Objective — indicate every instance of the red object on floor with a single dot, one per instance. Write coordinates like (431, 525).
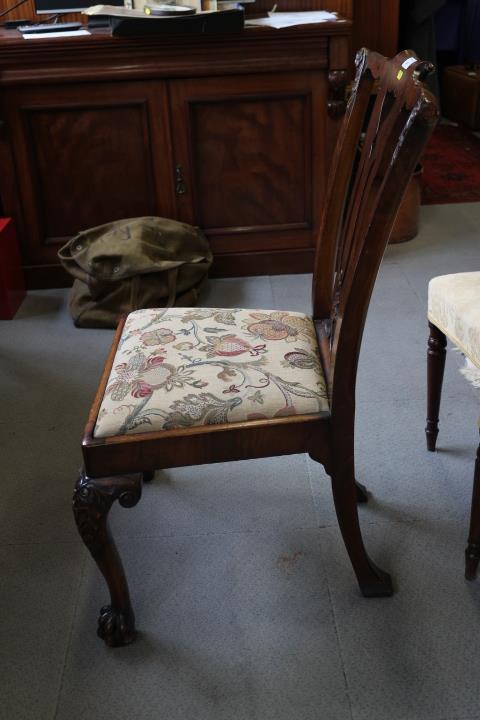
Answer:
(451, 165)
(12, 284)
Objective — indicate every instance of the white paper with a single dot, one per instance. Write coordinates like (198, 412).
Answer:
(65, 33)
(114, 11)
(289, 19)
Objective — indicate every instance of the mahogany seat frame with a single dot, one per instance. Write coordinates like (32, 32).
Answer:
(436, 354)
(363, 197)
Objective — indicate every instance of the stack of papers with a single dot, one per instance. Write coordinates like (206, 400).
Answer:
(59, 34)
(289, 19)
(114, 11)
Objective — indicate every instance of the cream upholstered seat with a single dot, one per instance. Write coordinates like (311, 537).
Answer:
(454, 308)
(454, 313)
(182, 367)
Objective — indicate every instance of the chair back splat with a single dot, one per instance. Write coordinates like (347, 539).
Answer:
(388, 120)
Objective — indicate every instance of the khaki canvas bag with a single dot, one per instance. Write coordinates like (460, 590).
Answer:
(131, 264)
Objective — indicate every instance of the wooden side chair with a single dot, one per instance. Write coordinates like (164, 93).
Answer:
(454, 313)
(186, 386)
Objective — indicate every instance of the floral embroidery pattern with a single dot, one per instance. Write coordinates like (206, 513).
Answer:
(278, 326)
(176, 368)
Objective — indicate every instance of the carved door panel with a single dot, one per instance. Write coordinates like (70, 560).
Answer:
(84, 155)
(248, 155)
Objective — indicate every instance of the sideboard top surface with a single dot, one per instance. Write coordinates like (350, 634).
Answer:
(101, 56)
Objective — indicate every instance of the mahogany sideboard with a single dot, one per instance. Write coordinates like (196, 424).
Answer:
(232, 133)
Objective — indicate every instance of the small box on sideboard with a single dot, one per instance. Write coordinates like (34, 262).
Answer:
(12, 284)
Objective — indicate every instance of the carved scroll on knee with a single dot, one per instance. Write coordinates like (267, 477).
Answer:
(92, 500)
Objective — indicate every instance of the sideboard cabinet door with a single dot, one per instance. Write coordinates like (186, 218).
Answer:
(249, 156)
(85, 155)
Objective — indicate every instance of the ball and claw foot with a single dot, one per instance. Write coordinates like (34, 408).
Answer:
(381, 586)
(115, 628)
(362, 493)
(472, 558)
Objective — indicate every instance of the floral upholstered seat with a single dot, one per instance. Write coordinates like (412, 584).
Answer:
(181, 367)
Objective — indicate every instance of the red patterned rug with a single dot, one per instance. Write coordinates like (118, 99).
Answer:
(451, 165)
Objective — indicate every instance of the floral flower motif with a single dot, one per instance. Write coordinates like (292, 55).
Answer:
(160, 336)
(140, 377)
(141, 389)
(183, 346)
(229, 346)
(277, 326)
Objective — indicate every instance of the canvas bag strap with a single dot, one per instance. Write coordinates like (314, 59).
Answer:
(172, 286)
(136, 280)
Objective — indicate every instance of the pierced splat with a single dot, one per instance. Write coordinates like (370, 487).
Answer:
(373, 164)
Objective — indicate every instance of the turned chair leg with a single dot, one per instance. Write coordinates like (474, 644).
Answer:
(472, 553)
(92, 501)
(435, 366)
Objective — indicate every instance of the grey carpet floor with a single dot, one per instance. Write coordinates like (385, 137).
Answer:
(246, 603)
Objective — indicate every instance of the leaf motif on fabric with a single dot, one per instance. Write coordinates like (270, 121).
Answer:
(202, 409)
(226, 318)
(137, 421)
(226, 374)
(136, 362)
(119, 390)
(256, 397)
(300, 359)
(297, 389)
(196, 314)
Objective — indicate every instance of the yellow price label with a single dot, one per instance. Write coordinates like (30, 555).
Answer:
(399, 74)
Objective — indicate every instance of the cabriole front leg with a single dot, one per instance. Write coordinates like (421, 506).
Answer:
(92, 500)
